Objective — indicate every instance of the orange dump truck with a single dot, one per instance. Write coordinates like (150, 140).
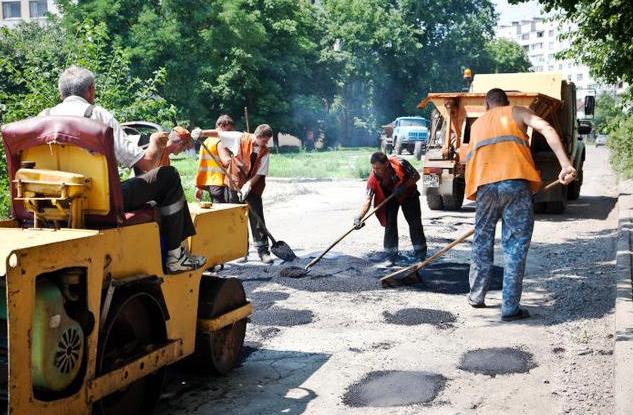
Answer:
(547, 94)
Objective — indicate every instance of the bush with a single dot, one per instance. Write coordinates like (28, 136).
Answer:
(621, 145)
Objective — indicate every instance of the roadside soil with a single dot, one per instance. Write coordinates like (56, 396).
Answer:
(334, 342)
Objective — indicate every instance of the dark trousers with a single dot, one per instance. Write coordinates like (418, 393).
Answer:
(260, 239)
(218, 193)
(413, 215)
(161, 185)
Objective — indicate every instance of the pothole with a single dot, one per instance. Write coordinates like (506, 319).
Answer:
(415, 316)
(277, 316)
(452, 278)
(497, 361)
(394, 388)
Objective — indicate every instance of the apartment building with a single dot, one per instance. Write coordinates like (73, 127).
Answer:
(540, 38)
(15, 11)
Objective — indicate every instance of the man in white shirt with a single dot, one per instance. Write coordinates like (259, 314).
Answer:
(157, 183)
(245, 157)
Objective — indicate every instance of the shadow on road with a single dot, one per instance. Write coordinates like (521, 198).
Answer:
(269, 382)
(587, 207)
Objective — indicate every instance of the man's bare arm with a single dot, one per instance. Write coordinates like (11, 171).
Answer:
(527, 117)
(154, 152)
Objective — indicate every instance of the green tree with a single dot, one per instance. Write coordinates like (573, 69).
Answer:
(506, 56)
(33, 56)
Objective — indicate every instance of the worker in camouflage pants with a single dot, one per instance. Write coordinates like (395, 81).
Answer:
(501, 177)
(510, 201)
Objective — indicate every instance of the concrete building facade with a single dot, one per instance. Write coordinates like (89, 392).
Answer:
(15, 11)
(541, 39)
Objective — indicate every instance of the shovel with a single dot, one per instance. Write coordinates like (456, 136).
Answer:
(409, 275)
(297, 272)
(279, 248)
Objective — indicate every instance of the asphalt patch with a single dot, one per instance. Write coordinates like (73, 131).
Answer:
(416, 316)
(248, 349)
(277, 316)
(265, 299)
(452, 278)
(394, 388)
(293, 272)
(497, 361)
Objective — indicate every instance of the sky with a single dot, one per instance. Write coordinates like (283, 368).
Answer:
(508, 12)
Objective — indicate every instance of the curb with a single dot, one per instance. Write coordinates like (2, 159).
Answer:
(623, 348)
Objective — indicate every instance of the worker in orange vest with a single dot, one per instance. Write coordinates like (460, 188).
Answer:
(394, 175)
(245, 158)
(501, 177)
(209, 176)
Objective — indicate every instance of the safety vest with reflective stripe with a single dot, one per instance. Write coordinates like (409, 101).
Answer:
(209, 174)
(498, 150)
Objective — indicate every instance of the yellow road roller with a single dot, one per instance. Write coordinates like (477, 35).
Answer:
(89, 320)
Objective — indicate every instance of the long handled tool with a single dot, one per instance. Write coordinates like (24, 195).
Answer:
(409, 275)
(279, 248)
(297, 272)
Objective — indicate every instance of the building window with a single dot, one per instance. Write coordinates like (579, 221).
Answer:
(11, 10)
(525, 36)
(560, 66)
(38, 8)
(579, 77)
(539, 34)
(551, 33)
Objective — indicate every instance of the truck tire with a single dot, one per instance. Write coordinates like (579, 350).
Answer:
(455, 200)
(433, 199)
(417, 152)
(573, 188)
(397, 145)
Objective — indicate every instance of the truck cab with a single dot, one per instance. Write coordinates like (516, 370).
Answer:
(411, 134)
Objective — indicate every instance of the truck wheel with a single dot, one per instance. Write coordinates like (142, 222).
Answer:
(417, 152)
(220, 351)
(573, 189)
(397, 145)
(135, 325)
(433, 199)
(455, 200)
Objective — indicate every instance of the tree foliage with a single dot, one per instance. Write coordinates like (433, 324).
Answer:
(506, 56)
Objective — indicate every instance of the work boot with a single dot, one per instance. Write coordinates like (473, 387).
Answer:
(421, 254)
(184, 262)
(392, 259)
(265, 257)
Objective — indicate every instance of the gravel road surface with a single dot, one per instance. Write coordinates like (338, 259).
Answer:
(334, 342)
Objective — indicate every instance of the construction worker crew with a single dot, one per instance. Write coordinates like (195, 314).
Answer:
(209, 176)
(501, 177)
(245, 158)
(394, 175)
(157, 183)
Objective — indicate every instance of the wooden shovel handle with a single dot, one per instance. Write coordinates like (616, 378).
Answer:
(367, 216)
(415, 267)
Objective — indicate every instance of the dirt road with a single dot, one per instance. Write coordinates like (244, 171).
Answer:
(334, 342)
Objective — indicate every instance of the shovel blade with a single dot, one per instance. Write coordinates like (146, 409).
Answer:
(281, 250)
(406, 277)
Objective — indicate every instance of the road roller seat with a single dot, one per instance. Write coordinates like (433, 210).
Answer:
(58, 145)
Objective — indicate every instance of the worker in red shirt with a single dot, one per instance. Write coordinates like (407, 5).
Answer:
(395, 175)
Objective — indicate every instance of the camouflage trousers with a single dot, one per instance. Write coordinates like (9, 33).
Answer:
(510, 201)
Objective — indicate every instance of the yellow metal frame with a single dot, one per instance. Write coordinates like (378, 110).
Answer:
(215, 324)
(27, 253)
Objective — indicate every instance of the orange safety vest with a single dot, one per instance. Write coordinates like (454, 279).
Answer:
(241, 168)
(498, 150)
(373, 183)
(209, 173)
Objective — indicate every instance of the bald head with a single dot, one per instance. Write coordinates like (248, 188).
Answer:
(496, 97)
